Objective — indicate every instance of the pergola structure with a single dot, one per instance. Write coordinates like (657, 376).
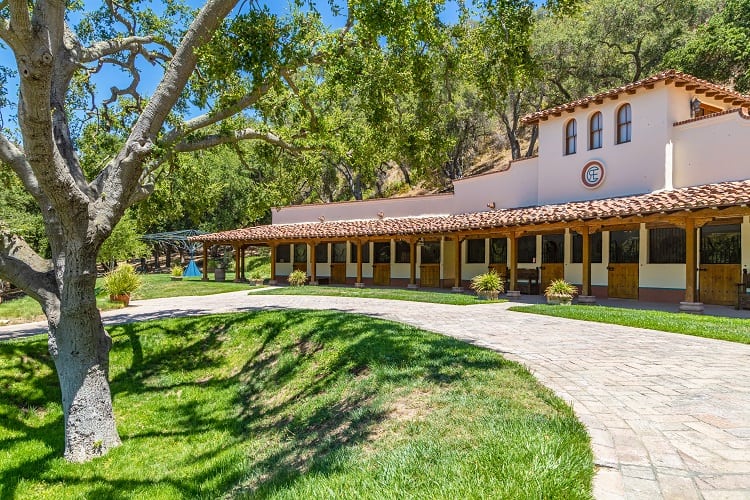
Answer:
(688, 208)
(177, 239)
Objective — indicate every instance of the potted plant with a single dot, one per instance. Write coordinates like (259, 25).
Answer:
(560, 292)
(220, 273)
(488, 286)
(121, 282)
(176, 273)
(257, 278)
(297, 278)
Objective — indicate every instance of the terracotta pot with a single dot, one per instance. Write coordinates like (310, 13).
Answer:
(564, 300)
(488, 295)
(124, 298)
(176, 278)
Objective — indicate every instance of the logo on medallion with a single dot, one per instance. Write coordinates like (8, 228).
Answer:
(592, 174)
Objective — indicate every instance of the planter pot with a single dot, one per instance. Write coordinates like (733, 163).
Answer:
(124, 298)
(176, 278)
(488, 295)
(220, 274)
(563, 300)
(258, 282)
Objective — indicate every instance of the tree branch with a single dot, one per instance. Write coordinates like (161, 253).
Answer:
(23, 267)
(214, 140)
(20, 22)
(109, 47)
(11, 155)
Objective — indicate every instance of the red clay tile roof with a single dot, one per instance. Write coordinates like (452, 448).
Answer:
(722, 194)
(668, 75)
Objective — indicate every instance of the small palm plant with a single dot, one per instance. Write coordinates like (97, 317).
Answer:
(121, 282)
(297, 278)
(176, 272)
(560, 292)
(488, 285)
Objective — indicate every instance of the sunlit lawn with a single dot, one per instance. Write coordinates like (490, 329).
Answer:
(460, 299)
(294, 404)
(714, 327)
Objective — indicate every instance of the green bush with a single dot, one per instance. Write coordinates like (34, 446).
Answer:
(176, 271)
(297, 278)
(561, 287)
(122, 281)
(488, 282)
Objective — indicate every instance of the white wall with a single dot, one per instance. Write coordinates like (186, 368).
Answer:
(516, 187)
(711, 150)
(632, 168)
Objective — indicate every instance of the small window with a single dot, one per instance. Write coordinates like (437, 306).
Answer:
(321, 253)
(475, 252)
(365, 253)
(595, 245)
(338, 253)
(300, 253)
(430, 252)
(595, 131)
(570, 137)
(403, 252)
(624, 247)
(499, 251)
(283, 254)
(382, 252)
(721, 244)
(553, 248)
(624, 124)
(666, 245)
(527, 249)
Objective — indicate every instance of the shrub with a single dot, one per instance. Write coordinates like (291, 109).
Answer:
(122, 281)
(561, 287)
(297, 278)
(488, 282)
(176, 271)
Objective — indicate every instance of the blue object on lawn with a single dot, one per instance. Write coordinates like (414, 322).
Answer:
(192, 271)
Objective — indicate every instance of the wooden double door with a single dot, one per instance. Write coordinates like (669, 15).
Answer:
(553, 258)
(720, 270)
(338, 273)
(429, 275)
(381, 274)
(622, 282)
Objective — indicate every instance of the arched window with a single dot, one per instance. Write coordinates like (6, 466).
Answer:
(570, 137)
(595, 131)
(624, 124)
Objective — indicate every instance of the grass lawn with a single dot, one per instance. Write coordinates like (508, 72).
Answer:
(714, 327)
(458, 299)
(295, 404)
(26, 309)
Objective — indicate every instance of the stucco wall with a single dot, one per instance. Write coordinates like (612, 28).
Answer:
(515, 187)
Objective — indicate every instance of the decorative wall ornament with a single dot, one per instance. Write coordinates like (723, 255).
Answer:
(592, 175)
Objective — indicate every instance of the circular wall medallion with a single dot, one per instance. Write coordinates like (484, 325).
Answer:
(592, 174)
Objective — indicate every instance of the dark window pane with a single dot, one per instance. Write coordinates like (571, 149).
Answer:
(570, 137)
(595, 241)
(666, 245)
(283, 254)
(338, 253)
(553, 248)
(595, 131)
(499, 251)
(382, 252)
(430, 252)
(475, 251)
(403, 252)
(720, 244)
(321, 253)
(353, 253)
(624, 121)
(300, 253)
(527, 249)
(623, 246)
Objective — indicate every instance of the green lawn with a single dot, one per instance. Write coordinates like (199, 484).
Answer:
(295, 404)
(458, 299)
(26, 309)
(714, 327)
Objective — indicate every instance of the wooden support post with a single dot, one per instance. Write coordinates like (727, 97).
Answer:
(691, 261)
(236, 263)
(457, 282)
(205, 262)
(242, 263)
(273, 281)
(311, 255)
(412, 263)
(359, 282)
(513, 270)
(586, 262)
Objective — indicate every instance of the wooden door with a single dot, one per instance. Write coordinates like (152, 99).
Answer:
(381, 274)
(501, 269)
(300, 266)
(550, 273)
(622, 282)
(718, 283)
(338, 273)
(429, 275)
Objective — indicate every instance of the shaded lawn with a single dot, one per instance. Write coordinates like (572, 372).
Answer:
(295, 404)
(458, 299)
(713, 327)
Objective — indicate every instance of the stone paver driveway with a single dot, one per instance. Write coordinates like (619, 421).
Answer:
(668, 415)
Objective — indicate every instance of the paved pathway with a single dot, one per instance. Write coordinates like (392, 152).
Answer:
(668, 415)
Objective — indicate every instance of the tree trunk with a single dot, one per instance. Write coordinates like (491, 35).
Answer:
(80, 348)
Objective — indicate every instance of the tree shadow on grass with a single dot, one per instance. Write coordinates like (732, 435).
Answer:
(307, 383)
